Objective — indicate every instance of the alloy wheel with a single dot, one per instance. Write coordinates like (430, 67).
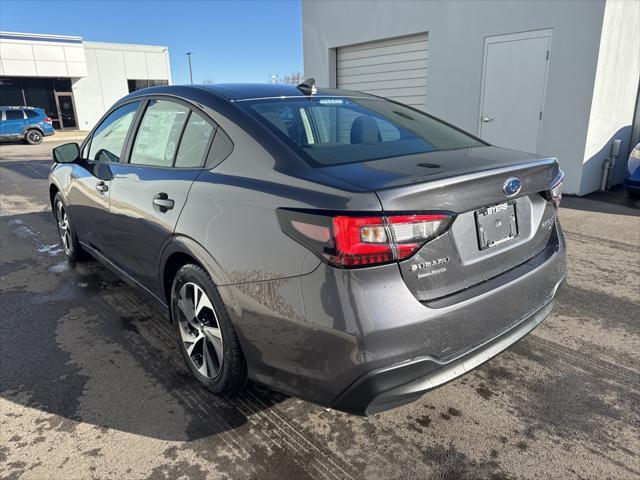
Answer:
(34, 136)
(63, 227)
(200, 330)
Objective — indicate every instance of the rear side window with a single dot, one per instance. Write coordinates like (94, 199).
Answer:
(14, 114)
(338, 130)
(108, 139)
(194, 142)
(31, 113)
(157, 140)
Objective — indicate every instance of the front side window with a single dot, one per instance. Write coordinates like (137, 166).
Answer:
(107, 142)
(14, 114)
(338, 130)
(157, 140)
(194, 142)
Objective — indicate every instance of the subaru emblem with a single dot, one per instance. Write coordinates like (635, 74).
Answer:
(512, 186)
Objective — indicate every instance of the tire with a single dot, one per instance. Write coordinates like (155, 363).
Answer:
(68, 237)
(33, 137)
(633, 194)
(203, 322)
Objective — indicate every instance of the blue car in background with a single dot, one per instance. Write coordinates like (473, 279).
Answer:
(24, 123)
(632, 178)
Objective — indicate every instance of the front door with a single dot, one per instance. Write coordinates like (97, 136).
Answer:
(64, 102)
(90, 184)
(515, 73)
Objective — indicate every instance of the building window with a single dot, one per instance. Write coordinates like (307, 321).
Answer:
(140, 84)
(39, 93)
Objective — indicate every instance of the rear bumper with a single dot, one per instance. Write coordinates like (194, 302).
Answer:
(402, 383)
(359, 340)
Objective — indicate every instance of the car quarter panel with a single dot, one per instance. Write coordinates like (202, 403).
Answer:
(314, 335)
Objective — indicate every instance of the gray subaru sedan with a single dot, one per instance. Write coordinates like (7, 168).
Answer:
(336, 246)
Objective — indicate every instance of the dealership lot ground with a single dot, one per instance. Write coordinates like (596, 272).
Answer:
(92, 384)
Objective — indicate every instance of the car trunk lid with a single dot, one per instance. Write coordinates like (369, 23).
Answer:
(491, 233)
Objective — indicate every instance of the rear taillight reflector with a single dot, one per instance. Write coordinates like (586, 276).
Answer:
(358, 240)
(555, 191)
(47, 120)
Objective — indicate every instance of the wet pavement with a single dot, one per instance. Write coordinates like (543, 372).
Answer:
(93, 386)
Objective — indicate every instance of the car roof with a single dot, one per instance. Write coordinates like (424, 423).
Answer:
(249, 91)
(19, 107)
(244, 91)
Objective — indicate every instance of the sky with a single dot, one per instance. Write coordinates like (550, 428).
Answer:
(231, 41)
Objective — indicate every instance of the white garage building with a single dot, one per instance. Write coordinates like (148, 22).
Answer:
(73, 80)
(559, 78)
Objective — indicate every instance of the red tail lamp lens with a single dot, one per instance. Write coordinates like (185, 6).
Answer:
(360, 241)
(354, 241)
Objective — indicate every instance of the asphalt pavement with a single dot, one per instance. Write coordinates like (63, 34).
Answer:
(92, 384)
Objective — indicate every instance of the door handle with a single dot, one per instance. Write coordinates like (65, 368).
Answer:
(486, 119)
(163, 202)
(102, 187)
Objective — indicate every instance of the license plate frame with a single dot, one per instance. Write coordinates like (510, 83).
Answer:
(496, 224)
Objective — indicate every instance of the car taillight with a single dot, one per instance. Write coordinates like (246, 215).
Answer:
(47, 120)
(555, 191)
(357, 240)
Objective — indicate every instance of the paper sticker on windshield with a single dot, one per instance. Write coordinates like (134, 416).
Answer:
(331, 101)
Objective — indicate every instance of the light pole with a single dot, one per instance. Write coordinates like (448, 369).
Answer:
(190, 71)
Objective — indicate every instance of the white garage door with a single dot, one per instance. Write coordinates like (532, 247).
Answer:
(395, 68)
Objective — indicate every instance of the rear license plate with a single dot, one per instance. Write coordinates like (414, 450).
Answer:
(496, 224)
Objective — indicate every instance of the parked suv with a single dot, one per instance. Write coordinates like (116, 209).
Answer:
(632, 177)
(24, 123)
(334, 245)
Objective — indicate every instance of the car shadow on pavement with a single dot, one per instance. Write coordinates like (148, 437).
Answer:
(82, 346)
(33, 170)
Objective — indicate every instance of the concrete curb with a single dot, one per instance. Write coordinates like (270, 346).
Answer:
(66, 136)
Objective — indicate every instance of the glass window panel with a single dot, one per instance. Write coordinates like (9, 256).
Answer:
(157, 139)
(340, 130)
(14, 115)
(194, 142)
(108, 139)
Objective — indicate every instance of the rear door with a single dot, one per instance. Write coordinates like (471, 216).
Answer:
(149, 192)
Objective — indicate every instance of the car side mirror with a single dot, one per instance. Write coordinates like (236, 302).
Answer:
(67, 153)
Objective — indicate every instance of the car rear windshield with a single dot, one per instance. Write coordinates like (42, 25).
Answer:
(339, 130)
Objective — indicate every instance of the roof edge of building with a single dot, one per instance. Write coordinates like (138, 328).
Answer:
(120, 46)
(39, 36)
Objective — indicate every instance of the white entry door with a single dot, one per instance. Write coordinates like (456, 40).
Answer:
(515, 75)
